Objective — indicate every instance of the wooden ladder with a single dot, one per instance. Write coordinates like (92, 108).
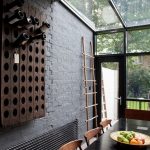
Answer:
(86, 70)
(104, 110)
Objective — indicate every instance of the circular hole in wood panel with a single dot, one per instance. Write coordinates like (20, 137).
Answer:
(37, 50)
(36, 98)
(42, 106)
(15, 112)
(23, 100)
(15, 101)
(36, 79)
(23, 57)
(36, 108)
(15, 90)
(23, 78)
(30, 109)
(6, 42)
(42, 51)
(23, 47)
(31, 29)
(6, 54)
(15, 78)
(30, 48)
(22, 89)
(23, 111)
(6, 78)
(43, 42)
(6, 114)
(42, 79)
(30, 68)
(36, 69)
(42, 70)
(36, 59)
(42, 97)
(42, 88)
(42, 60)
(15, 33)
(30, 58)
(23, 68)
(6, 30)
(30, 99)
(36, 88)
(30, 89)
(6, 66)
(30, 78)
(6, 90)
(15, 67)
(6, 102)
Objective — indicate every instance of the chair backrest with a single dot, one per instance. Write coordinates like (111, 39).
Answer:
(72, 145)
(92, 133)
(105, 123)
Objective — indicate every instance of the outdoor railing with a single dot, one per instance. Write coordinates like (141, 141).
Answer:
(138, 104)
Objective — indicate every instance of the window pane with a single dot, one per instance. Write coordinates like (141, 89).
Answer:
(134, 12)
(99, 12)
(138, 41)
(138, 77)
(110, 43)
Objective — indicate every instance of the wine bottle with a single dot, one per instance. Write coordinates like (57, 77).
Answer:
(35, 20)
(17, 16)
(42, 28)
(41, 36)
(25, 23)
(21, 40)
(13, 5)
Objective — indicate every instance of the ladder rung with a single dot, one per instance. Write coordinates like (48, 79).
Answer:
(91, 118)
(87, 55)
(90, 93)
(91, 106)
(103, 111)
(90, 80)
(88, 68)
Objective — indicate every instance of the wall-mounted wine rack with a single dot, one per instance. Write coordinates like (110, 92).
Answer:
(22, 84)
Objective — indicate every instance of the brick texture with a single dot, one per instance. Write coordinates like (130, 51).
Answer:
(63, 75)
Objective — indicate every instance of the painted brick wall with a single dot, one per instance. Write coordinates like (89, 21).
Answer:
(63, 75)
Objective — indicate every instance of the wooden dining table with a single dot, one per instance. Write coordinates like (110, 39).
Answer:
(104, 142)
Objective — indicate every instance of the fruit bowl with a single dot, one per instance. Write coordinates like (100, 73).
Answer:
(143, 139)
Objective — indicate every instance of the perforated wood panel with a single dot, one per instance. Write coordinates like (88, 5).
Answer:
(22, 85)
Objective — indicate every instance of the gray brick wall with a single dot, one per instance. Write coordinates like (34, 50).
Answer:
(63, 75)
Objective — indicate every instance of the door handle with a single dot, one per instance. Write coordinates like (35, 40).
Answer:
(120, 100)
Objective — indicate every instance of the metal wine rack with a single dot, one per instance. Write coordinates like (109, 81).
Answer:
(22, 84)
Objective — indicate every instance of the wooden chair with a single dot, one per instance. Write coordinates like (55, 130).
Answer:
(72, 145)
(105, 123)
(91, 134)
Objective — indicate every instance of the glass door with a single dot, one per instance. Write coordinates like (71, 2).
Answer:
(110, 75)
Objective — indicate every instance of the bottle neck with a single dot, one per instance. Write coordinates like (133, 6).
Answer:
(14, 5)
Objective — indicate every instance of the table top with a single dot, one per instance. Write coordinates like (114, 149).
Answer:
(104, 142)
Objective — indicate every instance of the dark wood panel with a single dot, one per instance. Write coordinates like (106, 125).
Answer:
(22, 84)
(137, 114)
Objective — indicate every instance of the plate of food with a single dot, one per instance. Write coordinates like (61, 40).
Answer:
(131, 138)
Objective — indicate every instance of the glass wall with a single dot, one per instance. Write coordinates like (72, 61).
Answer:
(138, 77)
(138, 41)
(110, 43)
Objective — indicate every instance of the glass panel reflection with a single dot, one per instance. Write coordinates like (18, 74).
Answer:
(99, 12)
(110, 43)
(138, 41)
(134, 12)
(138, 77)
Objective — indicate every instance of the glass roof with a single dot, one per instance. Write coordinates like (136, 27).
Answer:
(99, 12)
(134, 12)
